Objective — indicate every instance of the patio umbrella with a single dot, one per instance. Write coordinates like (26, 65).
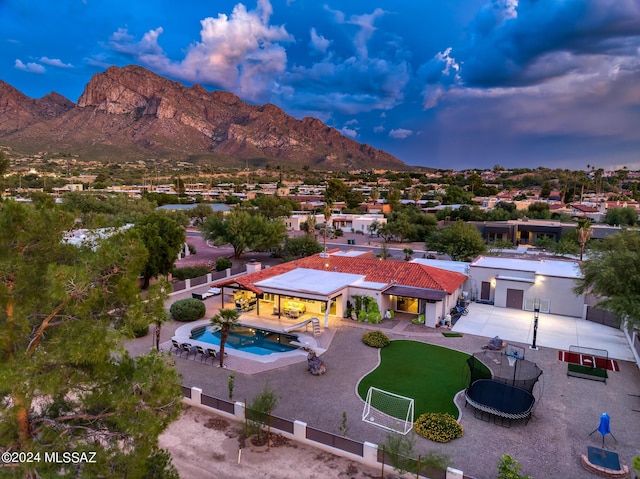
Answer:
(604, 427)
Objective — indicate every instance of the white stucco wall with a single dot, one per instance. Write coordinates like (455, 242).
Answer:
(558, 290)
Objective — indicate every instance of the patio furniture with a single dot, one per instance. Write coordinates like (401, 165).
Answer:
(176, 346)
(211, 353)
(200, 350)
(293, 309)
(186, 348)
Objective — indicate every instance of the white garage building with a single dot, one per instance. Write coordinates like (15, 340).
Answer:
(518, 283)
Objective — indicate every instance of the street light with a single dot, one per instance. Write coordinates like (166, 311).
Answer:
(536, 314)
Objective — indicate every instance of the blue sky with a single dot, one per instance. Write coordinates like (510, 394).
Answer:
(440, 83)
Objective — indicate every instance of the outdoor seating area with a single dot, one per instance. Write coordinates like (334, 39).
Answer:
(244, 301)
(198, 351)
(293, 309)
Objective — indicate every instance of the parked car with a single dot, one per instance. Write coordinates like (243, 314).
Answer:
(207, 294)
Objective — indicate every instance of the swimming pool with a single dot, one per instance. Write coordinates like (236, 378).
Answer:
(250, 340)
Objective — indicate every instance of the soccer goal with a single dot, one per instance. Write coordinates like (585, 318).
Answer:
(388, 410)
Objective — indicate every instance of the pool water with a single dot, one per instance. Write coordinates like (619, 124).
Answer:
(250, 340)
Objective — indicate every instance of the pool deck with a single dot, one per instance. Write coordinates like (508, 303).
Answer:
(249, 363)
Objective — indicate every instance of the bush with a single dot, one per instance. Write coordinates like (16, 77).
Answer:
(186, 310)
(338, 233)
(223, 263)
(189, 272)
(438, 427)
(509, 468)
(376, 339)
(192, 249)
(259, 411)
(140, 330)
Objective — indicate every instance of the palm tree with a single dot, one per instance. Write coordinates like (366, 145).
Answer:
(375, 194)
(416, 195)
(584, 233)
(328, 209)
(310, 225)
(227, 319)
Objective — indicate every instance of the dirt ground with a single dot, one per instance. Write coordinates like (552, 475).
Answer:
(200, 441)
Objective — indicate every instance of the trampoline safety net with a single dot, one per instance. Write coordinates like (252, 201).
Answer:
(523, 374)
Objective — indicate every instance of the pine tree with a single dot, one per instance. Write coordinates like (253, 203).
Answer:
(66, 384)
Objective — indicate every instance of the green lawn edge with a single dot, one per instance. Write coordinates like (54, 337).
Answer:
(432, 375)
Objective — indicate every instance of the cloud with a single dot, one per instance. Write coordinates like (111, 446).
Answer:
(318, 42)
(55, 62)
(400, 133)
(546, 63)
(348, 79)
(366, 24)
(440, 73)
(30, 67)
(239, 53)
(379, 129)
(351, 132)
(508, 39)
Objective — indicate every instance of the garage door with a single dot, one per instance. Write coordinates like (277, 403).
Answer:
(514, 298)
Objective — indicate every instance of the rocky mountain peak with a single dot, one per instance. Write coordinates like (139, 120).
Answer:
(132, 112)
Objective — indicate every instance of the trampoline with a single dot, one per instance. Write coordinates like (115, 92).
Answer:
(505, 394)
(500, 399)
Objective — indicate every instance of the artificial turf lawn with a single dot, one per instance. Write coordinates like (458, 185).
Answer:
(431, 375)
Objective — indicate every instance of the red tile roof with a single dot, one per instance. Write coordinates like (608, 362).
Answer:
(374, 270)
(585, 208)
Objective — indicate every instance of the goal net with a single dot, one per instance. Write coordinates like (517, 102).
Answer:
(388, 410)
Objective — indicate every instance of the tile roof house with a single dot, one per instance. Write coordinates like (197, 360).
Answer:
(324, 283)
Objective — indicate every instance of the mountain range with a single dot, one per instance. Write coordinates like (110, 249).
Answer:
(131, 113)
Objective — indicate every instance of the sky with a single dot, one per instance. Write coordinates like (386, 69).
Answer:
(440, 83)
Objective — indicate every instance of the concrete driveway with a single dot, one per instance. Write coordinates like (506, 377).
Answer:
(554, 331)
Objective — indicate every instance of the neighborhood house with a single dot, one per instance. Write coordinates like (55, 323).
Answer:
(332, 284)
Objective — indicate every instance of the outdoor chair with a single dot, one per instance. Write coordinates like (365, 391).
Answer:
(176, 346)
(211, 353)
(200, 350)
(186, 347)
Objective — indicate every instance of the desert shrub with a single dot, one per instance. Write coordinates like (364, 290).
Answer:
(338, 233)
(192, 248)
(401, 449)
(186, 310)
(438, 427)
(189, 272)
(140, 330)
(509, 468)
(259, 411)
(223, 263)
(375, 339)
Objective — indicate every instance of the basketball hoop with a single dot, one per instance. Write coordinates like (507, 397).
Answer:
(513, 352)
